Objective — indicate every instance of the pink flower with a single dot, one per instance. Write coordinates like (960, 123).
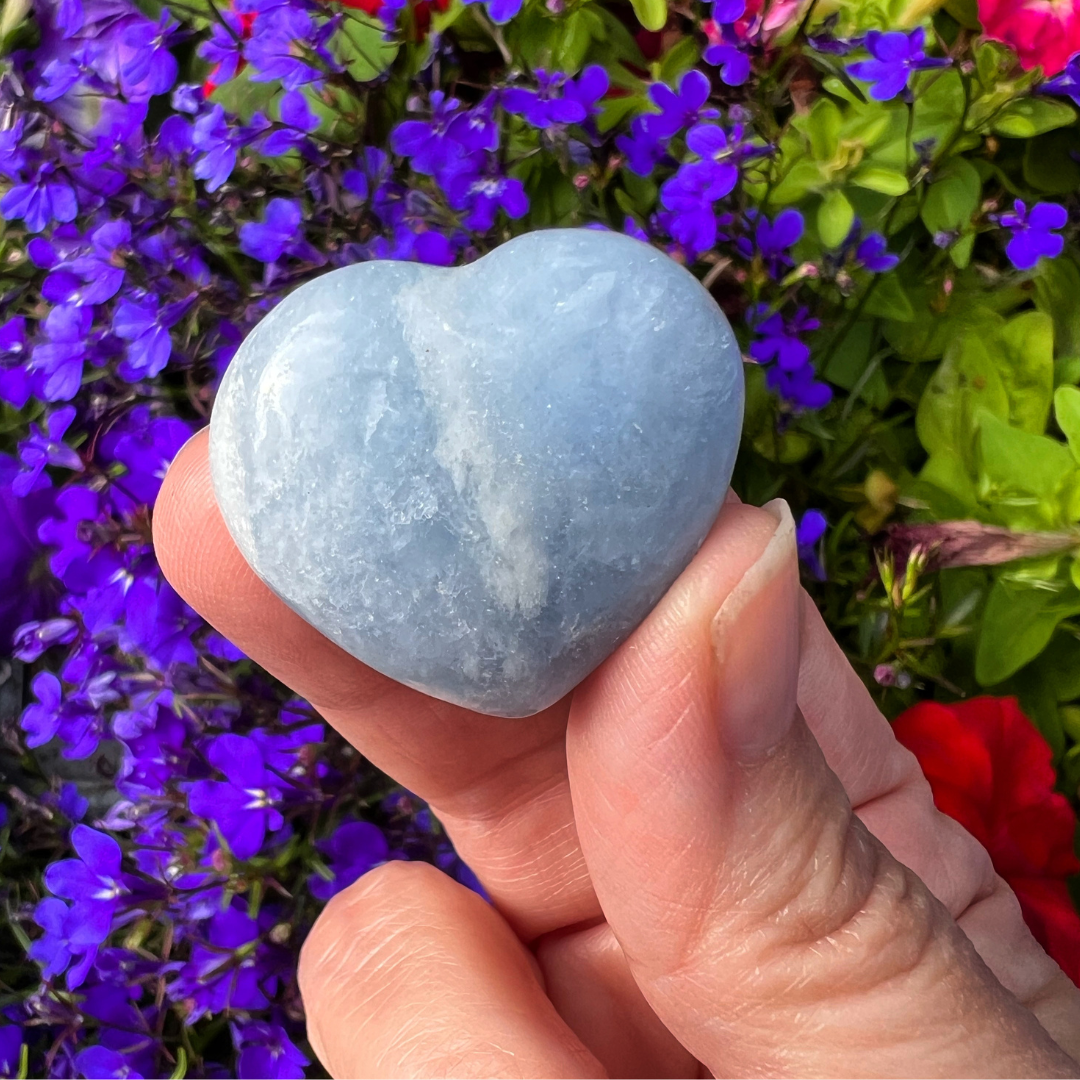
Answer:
(1042, 32)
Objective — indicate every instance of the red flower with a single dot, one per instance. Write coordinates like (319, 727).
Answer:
(1045, 32)
(990, 769)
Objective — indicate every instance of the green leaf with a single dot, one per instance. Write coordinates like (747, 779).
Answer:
(822, 128)
(1057, 292)
(1024, 479)
(1018, 622)
(1026, 117)
(652, 14)
(1024, 352)
(876, 178)
(1067, 415)
(889, 300)
(362, 47)
(680, 58)
(953, 197)
(834, 219)
(965, 382)
(1049, 162)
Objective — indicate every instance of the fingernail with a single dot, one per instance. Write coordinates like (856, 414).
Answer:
(756, 638)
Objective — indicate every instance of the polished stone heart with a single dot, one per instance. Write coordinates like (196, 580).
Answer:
(480, 480)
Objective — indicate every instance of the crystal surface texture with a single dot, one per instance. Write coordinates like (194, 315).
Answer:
(479, 480)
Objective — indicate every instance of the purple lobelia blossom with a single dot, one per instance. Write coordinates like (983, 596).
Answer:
(355, 848)
(14, 376)
(280, 233)
(45, 198)
(150, 68)
(144, 323)
(232, 970)
(1066, 84)
(266, 1051)
(873, 254)
(11, 1044)
(432, 145)
(243, 806)
(726, 50)
(482, 192)
(93, 882)
(82, 270)
(1034, 234)
(811, 529)
(773, 239)
(587, 89)
(46, 448)
(298, 122)
(33, 638)
(21, 599)
(642, 147)
(217, 144)
(896, 54)
(500, 11)
(679, 109)
(100, 1061)
(58, 359)
(547, 104)
(780, 346)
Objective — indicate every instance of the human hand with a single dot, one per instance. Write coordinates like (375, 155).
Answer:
(680, 884)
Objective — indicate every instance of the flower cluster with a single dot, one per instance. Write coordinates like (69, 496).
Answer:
(896, 261)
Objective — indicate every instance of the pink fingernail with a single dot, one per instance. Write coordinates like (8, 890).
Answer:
(756, 638)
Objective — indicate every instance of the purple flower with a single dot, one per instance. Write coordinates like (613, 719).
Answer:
(778, 337)
(545, 105)
(145, 446)
(873, 254)
(226, 972)
(279, 233)
(810, 530)
(84, 272)
(679, 109)
(150, 68)
(266, 1051)
(588, 88)
(642, 147)
(41, 720)
(791, 373)
(14, 377)
(283, 37)
(33, 638)
(896, 55)
(158, 624)
(225, 46)
(11, 1043)
(355, 848)
(46, 448)
(1033, 235)
(144, 323)
(500, 11)
(21, 600)
(299, 121)
(39, 201)
(61, 357)
(1067, 84)
(217, 142)
(774, 239)
(93, 883)
(800, 388)
(432, 144)
(731, 59)
(99, 1061)
(483, 194)
(244, 805)
(718, 169)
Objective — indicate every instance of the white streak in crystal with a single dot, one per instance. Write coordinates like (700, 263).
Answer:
(515, 567)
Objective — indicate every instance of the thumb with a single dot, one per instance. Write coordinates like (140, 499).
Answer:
(765, 925)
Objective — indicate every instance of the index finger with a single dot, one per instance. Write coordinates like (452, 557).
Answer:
(500, 786)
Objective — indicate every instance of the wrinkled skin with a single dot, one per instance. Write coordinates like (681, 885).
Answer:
(712, 857)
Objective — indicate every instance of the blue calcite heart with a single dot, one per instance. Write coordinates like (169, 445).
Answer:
(479, 480)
